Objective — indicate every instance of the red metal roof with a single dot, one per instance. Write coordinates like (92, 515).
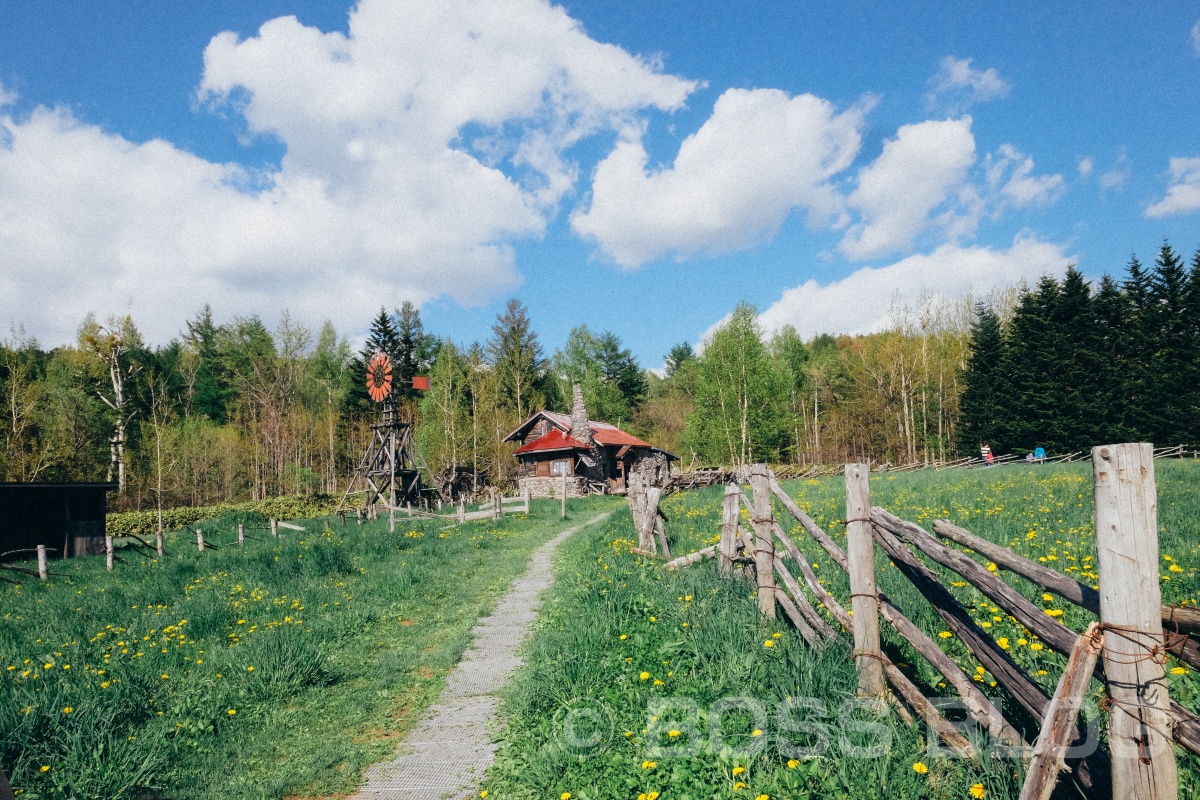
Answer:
(554, 440)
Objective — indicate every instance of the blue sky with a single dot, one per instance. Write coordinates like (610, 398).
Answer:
(635, 166)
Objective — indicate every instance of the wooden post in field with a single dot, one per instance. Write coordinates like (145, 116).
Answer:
(860, 556)
(764, 540)
(729, 520)
(462, 512)
(241, 535)
(43, 573)
(1143, 764)
(108, 552)
(274, 528)
(525, 497)
(158, 541)
(564, 495)
(200, 540)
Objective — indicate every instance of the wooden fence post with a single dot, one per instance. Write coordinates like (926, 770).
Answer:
(764, 540)
(241, 535)
(462, 512)
(200, 540)
(729, 520)
(497, 504)
(108, 552)
(158, 542)
(525, 497)
(43, 572)
(274, 528)
(564, 495)
(1139, 723)
(860, 556)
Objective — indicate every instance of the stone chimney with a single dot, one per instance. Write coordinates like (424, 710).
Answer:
(580, 429)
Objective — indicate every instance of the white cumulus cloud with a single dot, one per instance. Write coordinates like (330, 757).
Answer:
(958, 86)
(1183, 193)
(860, 302)
(1010, 173)
(916, 173)
(418, 146)
(761, 155)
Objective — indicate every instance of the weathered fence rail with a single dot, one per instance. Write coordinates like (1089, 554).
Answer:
(1126, 649)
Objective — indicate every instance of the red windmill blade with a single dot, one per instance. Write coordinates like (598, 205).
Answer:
(379, 377)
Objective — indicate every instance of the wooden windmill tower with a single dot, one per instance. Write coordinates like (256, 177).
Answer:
(391, 466)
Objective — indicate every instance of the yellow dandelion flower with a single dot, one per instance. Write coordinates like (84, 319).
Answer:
(945, 634)
(769, 643)
(920, 768)
(738, 770)
(231, 712)
(672, 734)
(792, 763)
(649, 764)
(67, 710)
(977, 791)
(1178, 671)
(565, 796)
(624, 637)
(756, 732)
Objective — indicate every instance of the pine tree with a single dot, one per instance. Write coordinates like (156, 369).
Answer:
(383, 338)
(1140, 337)
(1172, 351)
(981, 411)
(1080, 405)
(516, 356)
(1112, 350)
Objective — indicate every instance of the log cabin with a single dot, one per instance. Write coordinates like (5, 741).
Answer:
(595, 457)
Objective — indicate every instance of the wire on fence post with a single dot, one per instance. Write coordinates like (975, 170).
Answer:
(241, 535)
(43, 572)
(860, 555)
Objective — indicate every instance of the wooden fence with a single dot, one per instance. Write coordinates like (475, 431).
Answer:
(1126, 649)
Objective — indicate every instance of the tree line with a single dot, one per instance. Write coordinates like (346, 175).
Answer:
(1074, 365)
(237, 410)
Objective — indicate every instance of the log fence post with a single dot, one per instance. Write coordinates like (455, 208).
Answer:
(1139, 722)
(108, 552)
(158, 542)
(764, 540)
(274, 527)
(564, 495)
(43, 572)
(241, 535)
(199, 540)
(525, 497)
(729, 520)
(462, 512)
(860, 555)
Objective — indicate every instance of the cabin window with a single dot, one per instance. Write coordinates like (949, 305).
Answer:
(560, 467)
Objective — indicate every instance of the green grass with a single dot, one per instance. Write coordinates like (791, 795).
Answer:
(282, 669)
(616, 617)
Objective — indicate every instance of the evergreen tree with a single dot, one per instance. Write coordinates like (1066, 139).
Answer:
(1137, 416)
(678, 355)
(981, 410)
(1172, 353)
(1112, 348)
(208, 390)
(383, 338)
(415, 351)
(516, 356)
(1081, 405)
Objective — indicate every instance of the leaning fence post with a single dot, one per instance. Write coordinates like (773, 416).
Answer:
(729, 520)
(1143, 764)
(764, 541)
(108, 552)
(43, 572)
(860, 556)
(241, 535)
(200, 540)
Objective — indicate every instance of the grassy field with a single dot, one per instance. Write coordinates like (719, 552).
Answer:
(622, 634)
(281, 669)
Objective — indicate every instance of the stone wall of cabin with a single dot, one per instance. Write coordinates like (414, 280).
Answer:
(550, 487)
(652, 465)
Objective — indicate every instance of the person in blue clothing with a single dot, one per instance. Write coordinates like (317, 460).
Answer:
(1039, 454)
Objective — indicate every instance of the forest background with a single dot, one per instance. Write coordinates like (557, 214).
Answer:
(237, 410)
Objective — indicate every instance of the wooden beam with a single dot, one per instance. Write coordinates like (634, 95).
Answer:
(764, 542)
(1060, 723)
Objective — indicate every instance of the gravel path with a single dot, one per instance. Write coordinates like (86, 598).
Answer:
(447, 754)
